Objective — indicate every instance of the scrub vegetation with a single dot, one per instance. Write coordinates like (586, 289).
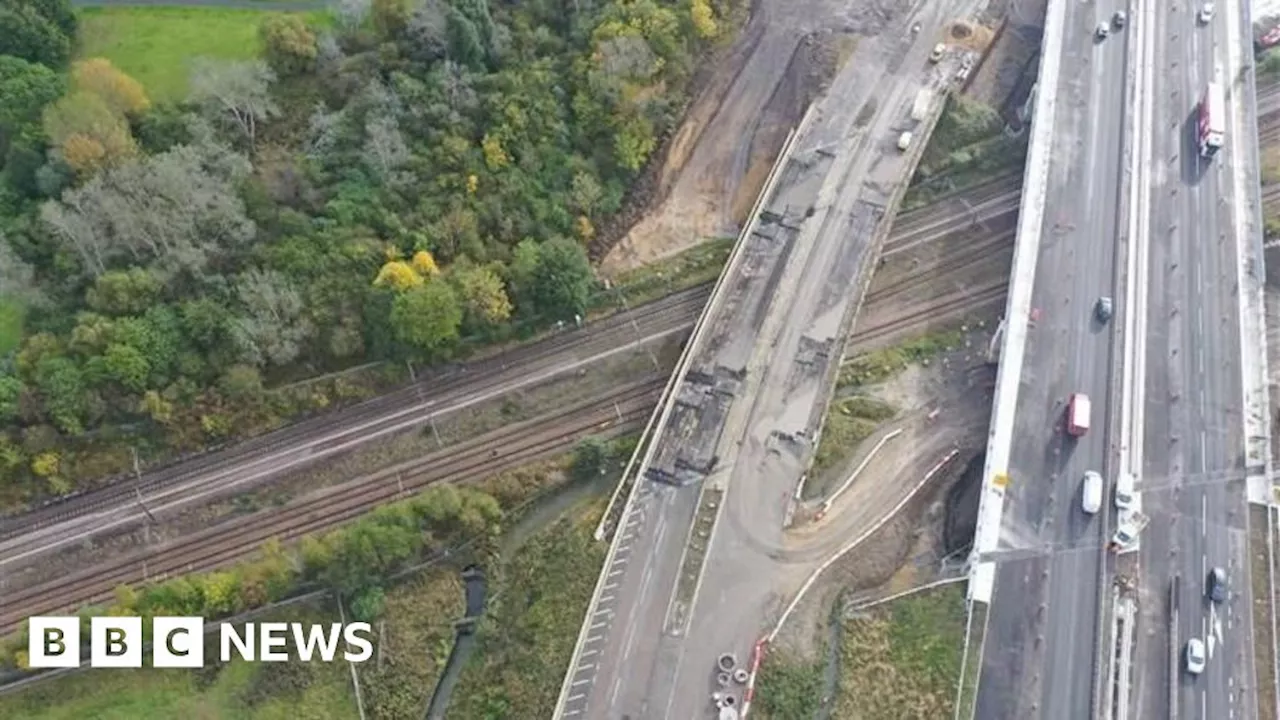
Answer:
(967, 146)
(205, 206)
(901, 661)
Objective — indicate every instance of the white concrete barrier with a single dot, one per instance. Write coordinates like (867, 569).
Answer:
(1018, 308)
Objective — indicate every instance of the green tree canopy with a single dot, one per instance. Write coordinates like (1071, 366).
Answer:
(427, 318)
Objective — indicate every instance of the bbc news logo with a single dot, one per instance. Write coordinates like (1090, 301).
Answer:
(178, 642)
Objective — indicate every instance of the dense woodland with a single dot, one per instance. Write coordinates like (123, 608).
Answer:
(412, 175)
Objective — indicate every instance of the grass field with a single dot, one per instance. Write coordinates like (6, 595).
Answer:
(902, 661)
(10, 325)
(155, 44)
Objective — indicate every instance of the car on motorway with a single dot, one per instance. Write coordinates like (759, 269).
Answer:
(1216, 585)
(1205, 16)
(1118, 19)
(1195, 656)
(1126, 491)
(1091, 493)
(1102, 31)
(1103, 309)
(938, 51)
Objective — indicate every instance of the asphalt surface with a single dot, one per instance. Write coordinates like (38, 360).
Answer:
(1039, 648)
(1193, 482)
(754, 397)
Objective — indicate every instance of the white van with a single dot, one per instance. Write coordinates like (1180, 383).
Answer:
(1091, 493)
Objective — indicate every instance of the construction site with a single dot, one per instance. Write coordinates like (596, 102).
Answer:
(880, 410)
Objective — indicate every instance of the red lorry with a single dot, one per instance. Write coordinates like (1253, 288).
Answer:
(1078, 414)
(1211, 126)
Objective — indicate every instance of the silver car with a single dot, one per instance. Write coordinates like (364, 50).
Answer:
(1195, 656)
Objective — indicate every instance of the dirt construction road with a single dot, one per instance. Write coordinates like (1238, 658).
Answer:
(717, 163)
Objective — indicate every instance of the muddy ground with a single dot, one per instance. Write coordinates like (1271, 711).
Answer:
(925, 540)
(783, 58)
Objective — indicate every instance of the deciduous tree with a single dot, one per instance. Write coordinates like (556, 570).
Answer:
(27, 88)
(397, 275)
(704, 20)
(124, 292)
(89, 134)
(585, 193)
(27, 34)
(180, 207)
(483, 297)
(425, 264)
(235, 91)
(127, 366)
(390, 17)
(427, 319)
(62, 387)
(10, 393)
(560, 283)
(384, 148)
(274, 327)
(290, 46)
(119, 92)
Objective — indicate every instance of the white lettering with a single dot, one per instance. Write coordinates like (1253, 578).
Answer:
(315, 636)
(177, 642)
(272, 635)
(243, 645)
(351, 634)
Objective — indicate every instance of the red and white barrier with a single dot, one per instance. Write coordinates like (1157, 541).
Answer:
(757, 654)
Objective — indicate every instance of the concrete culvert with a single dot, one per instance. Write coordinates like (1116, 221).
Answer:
(960, 31)
(723, 679)
(727, 662)
(741, 675)
(729, 701)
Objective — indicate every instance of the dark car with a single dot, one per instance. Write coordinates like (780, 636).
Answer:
(1103, 309)
(1217, 585)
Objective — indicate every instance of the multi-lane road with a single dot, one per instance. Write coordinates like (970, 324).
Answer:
(1132, 212)
(1193, 479)
(1039, 646)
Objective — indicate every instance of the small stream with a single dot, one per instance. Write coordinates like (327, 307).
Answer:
(476, 588)
(464, 642)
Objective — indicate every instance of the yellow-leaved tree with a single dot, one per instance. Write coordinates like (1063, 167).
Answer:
(118, 91)
(704, 20)
(398, 275)
(425, 264)
(90, 126)
(87, 132)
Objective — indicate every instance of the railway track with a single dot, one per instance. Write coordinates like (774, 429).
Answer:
(257, 461)
(619, 411)
(993, 201)
(374, 419)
